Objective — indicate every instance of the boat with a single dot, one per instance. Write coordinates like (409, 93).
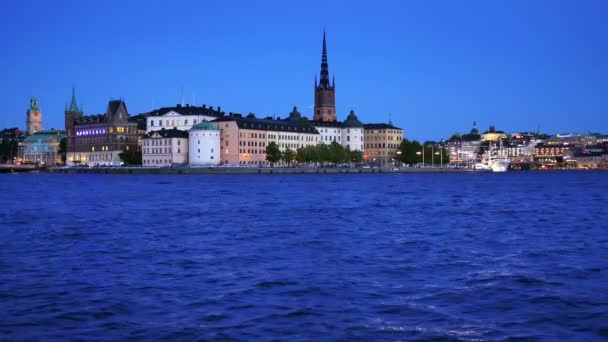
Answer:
(497, 162)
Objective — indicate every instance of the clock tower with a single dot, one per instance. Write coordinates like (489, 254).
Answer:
(33, 121)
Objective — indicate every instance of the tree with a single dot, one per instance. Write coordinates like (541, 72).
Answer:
(356, 156)
(273, 154)
(288, 156)
(409, 152)
(63, 150)
(130, 158)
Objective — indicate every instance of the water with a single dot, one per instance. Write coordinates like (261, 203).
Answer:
(304, 257)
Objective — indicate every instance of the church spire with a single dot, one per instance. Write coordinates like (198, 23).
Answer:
(324, 81)
(73, 105)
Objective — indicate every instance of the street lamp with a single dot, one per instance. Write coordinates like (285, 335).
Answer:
(421, 153)
(399, 155)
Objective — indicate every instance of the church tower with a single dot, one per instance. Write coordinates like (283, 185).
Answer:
(72, 113)
(33, 118)
(325, 94)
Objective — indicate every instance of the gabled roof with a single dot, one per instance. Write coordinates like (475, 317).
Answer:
(168, 133)
(187, 110)
(379, 126)
(267, 124)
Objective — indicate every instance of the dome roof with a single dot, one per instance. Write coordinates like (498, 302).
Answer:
(205, 126)
(352, 121)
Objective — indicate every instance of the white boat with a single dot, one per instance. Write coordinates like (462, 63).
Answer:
(496, 161)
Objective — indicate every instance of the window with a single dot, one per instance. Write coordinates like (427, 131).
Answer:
(151, 122)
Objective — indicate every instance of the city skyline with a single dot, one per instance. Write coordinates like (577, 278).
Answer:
(546, 72)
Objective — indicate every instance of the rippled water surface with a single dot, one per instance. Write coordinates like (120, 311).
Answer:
(311, 257)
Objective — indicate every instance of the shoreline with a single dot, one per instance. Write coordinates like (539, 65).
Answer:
(250, 170)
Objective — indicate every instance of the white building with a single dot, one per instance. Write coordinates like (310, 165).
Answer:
(165, 148)
(352, 133)
(180, 117)
(204, 143)
(349, 133)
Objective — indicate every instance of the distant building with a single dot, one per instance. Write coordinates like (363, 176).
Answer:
(493, 135)
(99, 139)
(550, 154)
(204, 144)
(42, 147)
(33, 121)
(325, 93)
(180, 117)
(381, 143)
(165, 147)
(349, 133)
(244, 139)
(72, 113)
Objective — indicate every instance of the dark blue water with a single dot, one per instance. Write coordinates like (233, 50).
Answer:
(304, 257)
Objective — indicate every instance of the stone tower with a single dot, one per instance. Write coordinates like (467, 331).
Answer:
(325, 94)
(72, 113)
(33, 120)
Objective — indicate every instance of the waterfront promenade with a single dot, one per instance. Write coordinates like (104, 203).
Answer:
(254, 170)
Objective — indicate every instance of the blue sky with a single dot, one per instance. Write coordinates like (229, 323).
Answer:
(434, 66)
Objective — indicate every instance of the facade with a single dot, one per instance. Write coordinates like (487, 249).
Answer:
(72, 113)
(42, 147)
(99, 139)
(204, 144)
(165, 147)
(244, 140)
(180, 117)
(33, 121)
(462, 152)
(353, 133)
(41, 153)
(325, 94)
(550, 154)
(381, 143)
(348, 133)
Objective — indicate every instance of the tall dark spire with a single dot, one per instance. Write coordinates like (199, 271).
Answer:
(324, 81)
(73, 105)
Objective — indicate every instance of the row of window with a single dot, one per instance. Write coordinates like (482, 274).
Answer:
(148, 162)
(383, 137)
(172, 122)
(161, 142)
(165, 150)
(383, 145)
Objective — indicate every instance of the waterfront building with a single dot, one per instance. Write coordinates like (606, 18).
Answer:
(41, 153)
(204, 144)
(99, 139)
(165, 147)
(463, 152)
(381, 142)
(42, 147)
(182, 117)
(493, 135)
(325, 93)
(591, 157)
(550, 154)
(33, 121)
(72, 113)
(349, 133)
(244, 139)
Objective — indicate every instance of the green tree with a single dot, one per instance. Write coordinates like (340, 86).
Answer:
(288, 156)
(273, 153)
(409, 152)
(356, 156)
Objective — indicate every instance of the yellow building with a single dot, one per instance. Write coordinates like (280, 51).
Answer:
(381, 143)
